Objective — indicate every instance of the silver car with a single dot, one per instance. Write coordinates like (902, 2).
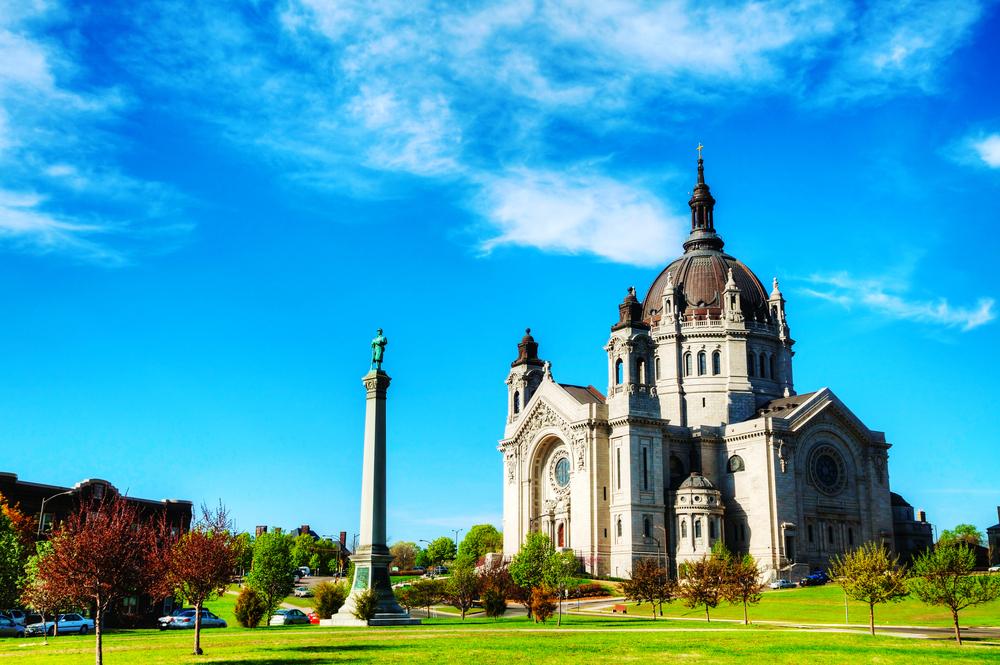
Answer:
(68, 623)
(185, 619)
(288, 617)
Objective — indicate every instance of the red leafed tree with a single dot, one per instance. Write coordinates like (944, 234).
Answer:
(203, 561)
(105, 551)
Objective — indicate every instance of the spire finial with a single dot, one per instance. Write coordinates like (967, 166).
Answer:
(700, 148)
(701, 166)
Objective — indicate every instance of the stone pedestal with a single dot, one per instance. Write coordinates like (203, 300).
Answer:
(371, 561)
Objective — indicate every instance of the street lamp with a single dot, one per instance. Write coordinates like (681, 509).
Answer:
(41, 512)
(456, 532)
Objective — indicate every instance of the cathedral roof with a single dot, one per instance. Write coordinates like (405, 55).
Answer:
(702, 272)
(781, 407)
(584, 394)
(697, 481)
(897, 500)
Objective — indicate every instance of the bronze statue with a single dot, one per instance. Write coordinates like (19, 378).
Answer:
(378, 349)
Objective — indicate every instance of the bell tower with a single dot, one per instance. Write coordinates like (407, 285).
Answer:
(526, 373)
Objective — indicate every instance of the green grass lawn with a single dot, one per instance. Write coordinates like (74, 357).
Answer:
(581, 639)
(825, 604)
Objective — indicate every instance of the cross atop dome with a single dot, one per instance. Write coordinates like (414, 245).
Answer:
(702, 204)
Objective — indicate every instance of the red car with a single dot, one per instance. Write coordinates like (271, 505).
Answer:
(313, 617)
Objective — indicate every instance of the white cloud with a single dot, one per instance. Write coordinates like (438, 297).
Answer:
(988, 150)
(60, 188)
(579, 213)
(887, 297)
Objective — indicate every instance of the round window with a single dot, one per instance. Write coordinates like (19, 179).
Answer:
(562, 472)
(828, 470)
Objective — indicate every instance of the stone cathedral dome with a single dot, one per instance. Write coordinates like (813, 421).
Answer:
(702, 271)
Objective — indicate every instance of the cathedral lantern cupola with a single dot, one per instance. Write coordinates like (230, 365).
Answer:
(526, 373)
(631, 381)
(702, 205)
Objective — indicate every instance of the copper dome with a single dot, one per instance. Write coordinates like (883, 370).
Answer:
(702, 272)
(701, 275)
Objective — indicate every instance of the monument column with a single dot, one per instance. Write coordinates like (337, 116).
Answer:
(372, 558)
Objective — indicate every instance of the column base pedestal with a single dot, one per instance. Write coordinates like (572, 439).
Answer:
(371, 570)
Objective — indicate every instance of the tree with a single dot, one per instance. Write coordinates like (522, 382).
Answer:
(427, 592)
(329, 598)
(560, 567)
(103, 552)
(543, 604)
(649, 583)
(37, 593)
(404, 555)
(462, 588)
(702, 582)
(743, 584)
(271, 574)
(965, 533)
(941, 576)
(203, 561)
(870, 574)
(12, 561)
(250, 608)
(495, 584)
(365, 604)
(423, 559)
(440, 550)
(481, 540)
(527, 567)
(301, 549)
(244, 548)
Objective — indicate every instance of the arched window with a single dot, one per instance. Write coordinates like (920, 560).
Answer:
(735, 464)
(656, 366)
(561, 535)
(619, 372)
(701, 363)
(517, 402)
(640, 370)
(829, 534)
(697, 528)
(646, 529)
(619, 527)
(687, 364)
(770, 360)
(751, 364)
(684, 529)
(712, 532)
(763, 366)
(850, 536)
(716, 362)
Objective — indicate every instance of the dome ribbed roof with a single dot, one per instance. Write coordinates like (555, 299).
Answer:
(697, 481)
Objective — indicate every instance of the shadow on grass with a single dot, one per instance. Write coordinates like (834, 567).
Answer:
(330, 649)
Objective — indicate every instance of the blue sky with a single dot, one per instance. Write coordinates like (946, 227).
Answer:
(206, 209)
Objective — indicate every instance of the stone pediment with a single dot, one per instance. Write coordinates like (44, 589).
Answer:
(825, 406)
(541, 416)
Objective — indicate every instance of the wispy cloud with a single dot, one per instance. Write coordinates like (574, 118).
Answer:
(888, 297)
(60, 188)
(579, 213)
(988, 149)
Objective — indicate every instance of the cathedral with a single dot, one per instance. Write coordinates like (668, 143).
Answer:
(699, 437)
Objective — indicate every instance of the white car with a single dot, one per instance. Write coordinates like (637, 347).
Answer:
(68, 623)
(782, 584)
(994, 569)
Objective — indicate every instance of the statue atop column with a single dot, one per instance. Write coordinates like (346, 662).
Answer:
(378, 349)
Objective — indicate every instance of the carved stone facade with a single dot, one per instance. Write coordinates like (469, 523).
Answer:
(699, 382)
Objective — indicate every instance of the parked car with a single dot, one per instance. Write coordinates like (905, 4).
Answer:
(313, 617)
(816, 578)
(994, 569)
(10, 629)
(17, 616)
(302, 592)
(288, 618)
(185, 618)
(304, 571)
(68, 623)
(782, 584)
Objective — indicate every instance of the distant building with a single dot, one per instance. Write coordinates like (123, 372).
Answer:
(260, 530)
(60, 502)
(912, 535)
(993, 541)
(304, 529)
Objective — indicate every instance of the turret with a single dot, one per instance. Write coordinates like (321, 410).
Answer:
(526, 373)
(631, 384)
(732, 307)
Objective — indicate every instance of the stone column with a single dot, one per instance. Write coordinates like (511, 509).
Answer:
(371, 560)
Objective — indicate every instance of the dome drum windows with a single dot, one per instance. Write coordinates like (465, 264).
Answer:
(716, 363)
(702, 369)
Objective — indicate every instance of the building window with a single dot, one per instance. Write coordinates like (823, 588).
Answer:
(790, 547)
(605, 492)
(656, 366)
(619, 528)
(640, 370)
(98, 491)
(712, 533)
(646, 530)
(809, 533)
(619, 372)
(771, 362)
(751, 363)
(645, 468)
(676, 471)
(618, 465)
(735, 464)
(605, 533)
(697, 528)
(763, 366)
(829, 534)
(684, 529)
(517, 402)
(701, 363)
(716, 362)
(687, 364)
